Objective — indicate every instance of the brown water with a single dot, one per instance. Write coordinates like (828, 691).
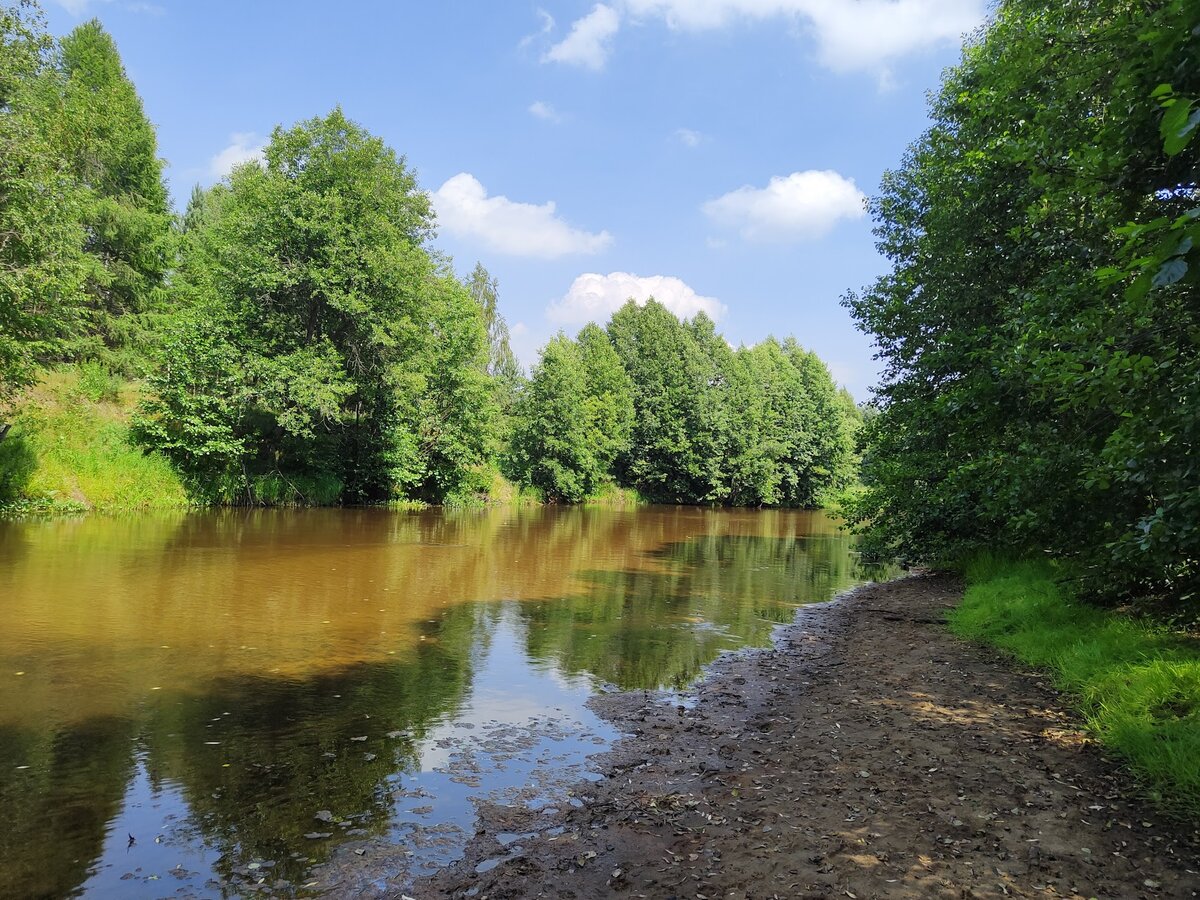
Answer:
(209, 685)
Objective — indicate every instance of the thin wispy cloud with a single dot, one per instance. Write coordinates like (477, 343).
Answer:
(243, 147)
(548, 25)
(689, 138)
(81, 8)
(539, 109)
(506, 226)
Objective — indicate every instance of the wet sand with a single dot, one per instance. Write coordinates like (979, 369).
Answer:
(869, 754)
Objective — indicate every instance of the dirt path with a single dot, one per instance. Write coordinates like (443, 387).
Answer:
(870, 754)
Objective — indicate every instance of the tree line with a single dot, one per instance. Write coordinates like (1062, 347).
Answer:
(670, 409)
(1040, 325)
(301, 340)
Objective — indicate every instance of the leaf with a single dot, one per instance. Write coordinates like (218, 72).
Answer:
(1178, 126)
(1170, 272)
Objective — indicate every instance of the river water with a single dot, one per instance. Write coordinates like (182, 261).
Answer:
(202, 704)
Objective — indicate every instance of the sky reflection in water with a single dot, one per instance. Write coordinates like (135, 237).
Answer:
(209, 683)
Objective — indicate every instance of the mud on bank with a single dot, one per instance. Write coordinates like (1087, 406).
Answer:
(869, 754)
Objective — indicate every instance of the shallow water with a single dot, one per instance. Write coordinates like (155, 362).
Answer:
(196, 702)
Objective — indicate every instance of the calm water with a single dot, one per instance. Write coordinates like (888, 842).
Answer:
(218, 686)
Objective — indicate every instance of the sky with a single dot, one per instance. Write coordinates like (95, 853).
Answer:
(716, 154)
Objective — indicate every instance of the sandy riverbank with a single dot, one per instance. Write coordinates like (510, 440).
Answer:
(869, 754)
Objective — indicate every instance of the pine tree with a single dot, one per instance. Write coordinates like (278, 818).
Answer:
(112, 151)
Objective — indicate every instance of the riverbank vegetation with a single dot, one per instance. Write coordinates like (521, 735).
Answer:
(70, 450)
(1136, 683)
(295, 337)
(1040, 326)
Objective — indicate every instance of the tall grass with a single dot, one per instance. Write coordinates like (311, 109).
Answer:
(611, 494)
(1137, 685)
(70, 450)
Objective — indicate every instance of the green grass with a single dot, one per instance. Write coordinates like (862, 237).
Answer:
(1137, 685)
(70, 450)
(485, 486)
(614, 495)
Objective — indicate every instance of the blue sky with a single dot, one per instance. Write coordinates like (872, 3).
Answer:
(712, 152)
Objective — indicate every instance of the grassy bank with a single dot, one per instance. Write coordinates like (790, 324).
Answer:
(69, 450)
(1137, 685)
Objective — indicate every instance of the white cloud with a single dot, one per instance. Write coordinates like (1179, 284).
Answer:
(863, 35)
(593, 297)
(243, 147)
(689, 138)
(800, 206)
(589, 42)
(505, 226)
(540, 109)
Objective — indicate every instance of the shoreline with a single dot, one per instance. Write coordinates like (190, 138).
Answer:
(867, 753)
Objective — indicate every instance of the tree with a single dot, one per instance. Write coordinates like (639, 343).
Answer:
(112, 152)
(574, 418)
(669, 458)
(608, 399)
(823, 422)
(502, 365)
(552, 449)
(41, 260)
(358, 362)
(1040, 387)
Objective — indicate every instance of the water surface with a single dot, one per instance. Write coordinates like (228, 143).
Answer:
(193, 702)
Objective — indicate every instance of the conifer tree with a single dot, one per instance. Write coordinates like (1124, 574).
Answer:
(112, 151)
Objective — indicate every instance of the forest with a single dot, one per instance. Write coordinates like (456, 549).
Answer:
(295, 337)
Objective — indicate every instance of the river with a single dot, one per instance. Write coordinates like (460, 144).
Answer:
(197, 703)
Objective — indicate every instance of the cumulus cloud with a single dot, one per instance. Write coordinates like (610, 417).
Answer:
(864, 35)
(540, 109)
(465, 210)
(800, 206)
(590, 40)
(689, 138)
(243, 147)
(593, 297)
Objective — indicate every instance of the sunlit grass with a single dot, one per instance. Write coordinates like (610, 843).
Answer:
(70, 449)
(614, 495)
(1137, 685)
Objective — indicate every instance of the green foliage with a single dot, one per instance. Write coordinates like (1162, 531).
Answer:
(323, 354)
(112, 152)
(1041, 388)
(502, 363)
(71, 449)
(557, 444)
(42, 266)
(97, 383)
(677, 443)
(1138, 686)
(668, 410)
